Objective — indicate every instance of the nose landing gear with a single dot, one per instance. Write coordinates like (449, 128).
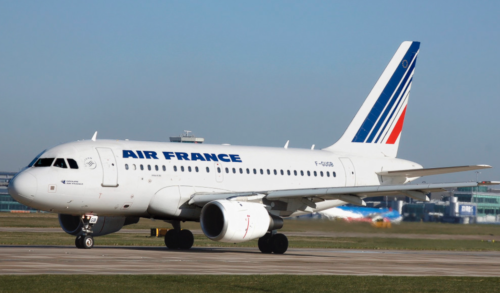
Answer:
(179, 239)
(85, 240)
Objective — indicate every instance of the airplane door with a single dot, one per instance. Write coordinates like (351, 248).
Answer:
(219, 172)
(109, 167)
(350, 176)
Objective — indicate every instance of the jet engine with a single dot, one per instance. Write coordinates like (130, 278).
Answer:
(234, 221)
(105, 225)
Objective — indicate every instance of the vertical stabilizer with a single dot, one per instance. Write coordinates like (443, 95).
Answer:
(376, 128)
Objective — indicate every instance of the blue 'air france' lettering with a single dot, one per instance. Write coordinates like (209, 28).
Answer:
(181, 156)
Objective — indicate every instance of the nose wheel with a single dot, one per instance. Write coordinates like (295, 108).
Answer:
(277, 243)
(86, 241)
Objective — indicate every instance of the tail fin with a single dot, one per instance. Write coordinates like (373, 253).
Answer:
(376, 128)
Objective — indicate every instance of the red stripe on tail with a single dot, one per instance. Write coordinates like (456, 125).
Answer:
(397, 129)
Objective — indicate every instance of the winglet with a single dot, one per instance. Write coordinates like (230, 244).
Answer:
(94, 137)
(286, 144)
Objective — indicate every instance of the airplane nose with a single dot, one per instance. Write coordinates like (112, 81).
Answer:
(23, 185)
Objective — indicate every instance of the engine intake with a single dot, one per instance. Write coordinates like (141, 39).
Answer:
(105, 225)
(234, 221)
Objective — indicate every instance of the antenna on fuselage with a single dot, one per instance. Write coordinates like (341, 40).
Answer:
(94, 137)
(286, 144)
(312, 148)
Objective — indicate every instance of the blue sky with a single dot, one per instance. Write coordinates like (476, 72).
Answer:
(247, 73)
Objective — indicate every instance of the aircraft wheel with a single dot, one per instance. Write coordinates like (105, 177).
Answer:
(88, 242)
(265, 243)
(279, 243)
(186, 239)
(79, 241)
(172, 239)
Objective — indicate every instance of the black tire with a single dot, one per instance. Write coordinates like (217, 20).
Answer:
(279, 243)
(79, 241)
(88, 242)
(186, 239)
(172, 239)
(265, 243)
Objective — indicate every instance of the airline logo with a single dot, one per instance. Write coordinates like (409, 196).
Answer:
(183, 156)
(384, 122)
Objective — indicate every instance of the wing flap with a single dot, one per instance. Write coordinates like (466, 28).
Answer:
(431, 171)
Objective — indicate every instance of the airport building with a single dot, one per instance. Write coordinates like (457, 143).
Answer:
(187, 137)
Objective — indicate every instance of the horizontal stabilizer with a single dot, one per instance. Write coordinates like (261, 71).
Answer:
(431, 171)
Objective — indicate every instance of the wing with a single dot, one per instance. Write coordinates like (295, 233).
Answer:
(352, 195)
(431, 171)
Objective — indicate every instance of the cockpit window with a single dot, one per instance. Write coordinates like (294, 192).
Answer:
(36, 159)
(44, 162)
(60, 163)
(72, 164)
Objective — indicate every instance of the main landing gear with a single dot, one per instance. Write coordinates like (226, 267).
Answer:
(179, 239)
(86, 240)
(273, 242)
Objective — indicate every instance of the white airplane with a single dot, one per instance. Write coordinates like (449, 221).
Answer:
(237, 193)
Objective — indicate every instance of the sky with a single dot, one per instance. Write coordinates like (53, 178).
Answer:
(247, 73)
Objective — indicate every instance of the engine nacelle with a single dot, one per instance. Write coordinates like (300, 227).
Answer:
(234, 221)
(105, 225)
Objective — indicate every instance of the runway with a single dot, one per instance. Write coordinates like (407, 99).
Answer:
(29, 260)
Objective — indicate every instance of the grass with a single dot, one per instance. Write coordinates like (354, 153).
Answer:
(42, 220)
(252, 283)
(143, 239)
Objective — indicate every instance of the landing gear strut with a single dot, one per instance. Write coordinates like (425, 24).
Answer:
(277, 243)
(86, 240)
(179, 239)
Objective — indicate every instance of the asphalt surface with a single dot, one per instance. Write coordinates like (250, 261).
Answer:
(28, 260)
(300, 234)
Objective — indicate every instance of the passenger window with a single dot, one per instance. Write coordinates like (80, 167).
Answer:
(182, 168)
(133, 167)
(248, 171)
(321, 173)
(327, 174)
(60, 163)
(282, 172)
(164, 169)
(142, 167)
(189, 168)
(275, 173)
(234, 171)
(268, 172)
(156, 167)
(301, 173)
(196, 169)
(72, 164)
(149, 167)
(241, 171)
(261, 172)
(175, 168)
(295, 172)
(208, 170)
(288, 172)
(227, 170)
(255, 171)
(45, 162)
(334, 174)
(308, 173)
(126, 166)
(315, 174)
(218, 169)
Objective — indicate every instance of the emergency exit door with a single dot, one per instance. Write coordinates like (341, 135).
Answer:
(350, 174)
(109, 167)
